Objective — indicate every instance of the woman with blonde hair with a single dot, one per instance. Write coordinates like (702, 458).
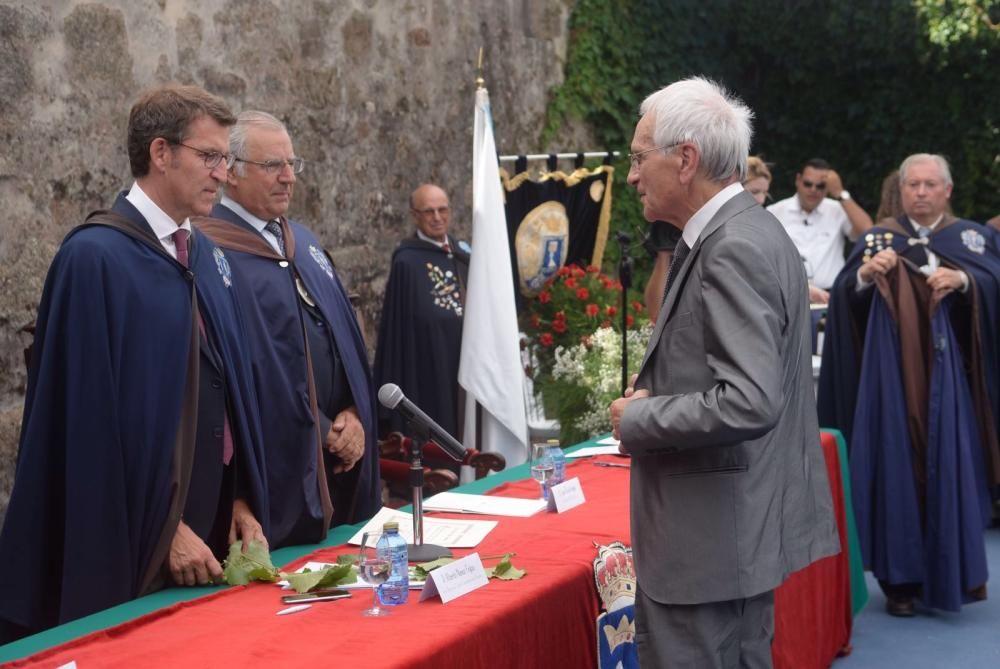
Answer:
(758, 180)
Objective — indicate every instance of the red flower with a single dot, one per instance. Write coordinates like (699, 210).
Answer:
(559, 326)
(544, 297)
(585, 340)
(612, 311)
(560, 316)
(545, 339)
(617, 285)
(593, 310)
(605, 324)
(606, 282)
(535, 321)
(637, 306)
(562, 271)
(577, 272)
(593, 269)
(629, 321)
(583, 294)
(570, 282)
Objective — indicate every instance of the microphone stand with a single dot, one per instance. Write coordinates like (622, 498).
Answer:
(418, 551)
(625, 278)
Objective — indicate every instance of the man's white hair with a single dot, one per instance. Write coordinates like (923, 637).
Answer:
(238, 134)
(701, 112)
(938, 160)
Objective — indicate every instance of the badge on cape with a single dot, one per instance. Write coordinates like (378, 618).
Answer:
(974, 241)
(445, 289)
(321, 260)
(223, 266)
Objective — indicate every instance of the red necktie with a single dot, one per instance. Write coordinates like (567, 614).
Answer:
(446, 248)
(181, 240)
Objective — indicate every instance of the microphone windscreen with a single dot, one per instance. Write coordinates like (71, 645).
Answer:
(390, 395)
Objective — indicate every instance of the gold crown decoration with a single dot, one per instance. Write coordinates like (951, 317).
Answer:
(614, 575)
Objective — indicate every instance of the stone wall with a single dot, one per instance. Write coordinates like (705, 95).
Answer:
(377, 94)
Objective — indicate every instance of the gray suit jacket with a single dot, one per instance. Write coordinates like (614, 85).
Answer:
(729, 488)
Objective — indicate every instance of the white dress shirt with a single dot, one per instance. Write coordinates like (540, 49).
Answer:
(694, 226)
(424, 237)
(163, 226)
(258, 223)
(818, 235)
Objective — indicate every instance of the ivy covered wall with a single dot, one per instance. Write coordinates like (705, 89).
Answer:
(861, 84)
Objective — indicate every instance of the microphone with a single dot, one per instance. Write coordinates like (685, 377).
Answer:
(391, 397)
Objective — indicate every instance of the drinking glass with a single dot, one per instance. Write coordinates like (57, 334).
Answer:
(543, 467)
(375, 571)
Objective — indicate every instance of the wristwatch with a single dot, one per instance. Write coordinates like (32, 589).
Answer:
(844, 196)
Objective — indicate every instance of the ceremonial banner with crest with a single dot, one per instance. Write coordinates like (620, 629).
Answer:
(555, 220)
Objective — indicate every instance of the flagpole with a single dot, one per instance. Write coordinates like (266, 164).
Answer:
(480, 82)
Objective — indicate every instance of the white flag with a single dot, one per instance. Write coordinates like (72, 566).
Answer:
(490, 368)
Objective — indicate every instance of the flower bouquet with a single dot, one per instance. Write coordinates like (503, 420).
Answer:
(575, 323)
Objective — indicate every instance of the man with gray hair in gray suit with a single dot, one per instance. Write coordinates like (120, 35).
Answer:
(729, 493)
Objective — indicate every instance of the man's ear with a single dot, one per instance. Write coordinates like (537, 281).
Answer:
(690, 160)
(160, 154)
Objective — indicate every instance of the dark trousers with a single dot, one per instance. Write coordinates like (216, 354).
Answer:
(734, 634)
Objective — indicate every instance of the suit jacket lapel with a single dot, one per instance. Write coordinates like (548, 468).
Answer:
(732, 207)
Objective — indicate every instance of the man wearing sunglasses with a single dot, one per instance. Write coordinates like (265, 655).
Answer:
(819, 218)
(139, 457)
(420, 333)
(310, 360)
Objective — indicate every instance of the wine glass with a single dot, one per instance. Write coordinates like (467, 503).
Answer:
(373, 570)
(543, 467)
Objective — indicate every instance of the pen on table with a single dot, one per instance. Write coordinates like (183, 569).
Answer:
(611, 464)
(293, 609)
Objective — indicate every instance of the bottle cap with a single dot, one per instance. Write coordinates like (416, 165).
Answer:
(390, 525)
(553, 442)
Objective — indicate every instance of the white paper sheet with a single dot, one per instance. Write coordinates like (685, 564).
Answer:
(439, 531)
(490, 505)
(595, 450)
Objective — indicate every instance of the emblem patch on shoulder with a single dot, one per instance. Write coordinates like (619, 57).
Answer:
(974, 241)
(223, 265)
(321, 260)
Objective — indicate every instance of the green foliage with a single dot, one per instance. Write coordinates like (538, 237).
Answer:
(860, 84)
(327, 577)
(240, 568)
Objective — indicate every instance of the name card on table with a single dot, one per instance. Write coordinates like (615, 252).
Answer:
(566, 495)
(455, 579)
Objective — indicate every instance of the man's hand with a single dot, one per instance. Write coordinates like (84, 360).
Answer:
(190, 560)
(818, 295)
(881, 262)
(834, 186)
(346, 439)
(245, 526)
(618, 409)
(943, 280)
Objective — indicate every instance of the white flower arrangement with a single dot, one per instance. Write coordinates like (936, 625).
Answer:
(587, 378)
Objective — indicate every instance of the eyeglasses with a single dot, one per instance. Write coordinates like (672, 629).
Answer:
(430, 211)
(212, 158)
(634, 160)
(278, 165)
(818, 186)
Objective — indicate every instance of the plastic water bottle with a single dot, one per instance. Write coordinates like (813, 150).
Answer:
(392, 547)
(559, 458)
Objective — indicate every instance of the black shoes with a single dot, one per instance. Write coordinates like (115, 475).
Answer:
(901, 607)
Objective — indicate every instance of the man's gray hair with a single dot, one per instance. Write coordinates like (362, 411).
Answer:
(701, 112)
(238, 133)
(935, 158)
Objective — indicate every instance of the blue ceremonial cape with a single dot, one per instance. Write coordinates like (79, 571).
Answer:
(420, 331)
(934, 538)
(300, 485)
(958, 243)
(98, 491)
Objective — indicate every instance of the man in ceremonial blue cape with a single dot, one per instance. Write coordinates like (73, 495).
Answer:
(420, 332)
(139, 457)
(910, 374)
(309, 359)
